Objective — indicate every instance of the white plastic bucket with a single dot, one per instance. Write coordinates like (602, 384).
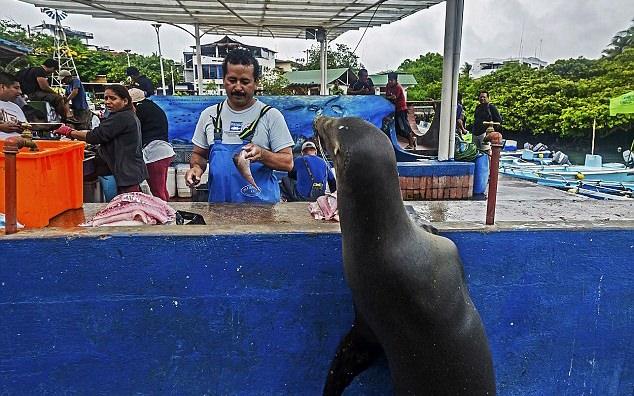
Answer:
(171, 181)
(182, 188)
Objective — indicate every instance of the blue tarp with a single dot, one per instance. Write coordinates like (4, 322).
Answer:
(299, 111)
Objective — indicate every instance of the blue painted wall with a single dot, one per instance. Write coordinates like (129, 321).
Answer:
(244, 315)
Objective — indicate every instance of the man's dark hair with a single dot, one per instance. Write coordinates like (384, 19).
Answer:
(7, 79)
(50, 63)
(392, 76)
(459, 97)
(131, 71)
(363, 71)
(481, 92)
(241, 57)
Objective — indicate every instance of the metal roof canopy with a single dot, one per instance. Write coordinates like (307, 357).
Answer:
(267, 18)
(289, 19)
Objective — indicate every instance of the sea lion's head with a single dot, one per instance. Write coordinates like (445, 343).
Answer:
(357, 148)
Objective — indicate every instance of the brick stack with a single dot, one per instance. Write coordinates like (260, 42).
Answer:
(435, 180)
(436, 187)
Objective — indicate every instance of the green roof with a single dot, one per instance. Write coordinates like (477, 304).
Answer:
(313, 77)
(403, 79)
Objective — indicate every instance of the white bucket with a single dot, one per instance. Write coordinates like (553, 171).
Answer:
(171, 181)
(593, 161)
(182, 188)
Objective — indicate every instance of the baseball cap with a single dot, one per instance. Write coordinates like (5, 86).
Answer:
(307, 145)
(64, 73)
(136, 94)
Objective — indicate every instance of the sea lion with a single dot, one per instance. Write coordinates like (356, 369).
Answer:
(411, 299)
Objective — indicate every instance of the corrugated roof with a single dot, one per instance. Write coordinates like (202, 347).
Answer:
(11, 49)
(268, 18)
(403, 79)
(313, 77)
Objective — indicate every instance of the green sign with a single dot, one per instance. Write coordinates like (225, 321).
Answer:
(622, 104)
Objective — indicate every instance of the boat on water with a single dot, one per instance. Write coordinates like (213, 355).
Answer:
(594, 178)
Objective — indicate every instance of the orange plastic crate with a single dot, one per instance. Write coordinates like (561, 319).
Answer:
(49, 181)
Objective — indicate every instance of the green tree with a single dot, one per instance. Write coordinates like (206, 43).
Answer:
(274, 83)
(620, 41)
(341, 57)
(89, 63)
(427, 70)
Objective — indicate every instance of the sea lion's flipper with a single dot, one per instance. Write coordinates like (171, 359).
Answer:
(355, 353)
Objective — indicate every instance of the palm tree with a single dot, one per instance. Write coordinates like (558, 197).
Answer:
(466, 68)
(620, 41)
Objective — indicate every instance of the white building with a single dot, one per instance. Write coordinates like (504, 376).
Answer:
(484, 66)
(212, 56)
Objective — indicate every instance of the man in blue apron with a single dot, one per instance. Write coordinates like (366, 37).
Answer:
(241, 122)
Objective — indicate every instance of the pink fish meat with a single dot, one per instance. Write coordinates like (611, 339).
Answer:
(244, 167)
(134, 206)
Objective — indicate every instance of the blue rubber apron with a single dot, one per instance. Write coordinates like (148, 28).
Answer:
(226, 184)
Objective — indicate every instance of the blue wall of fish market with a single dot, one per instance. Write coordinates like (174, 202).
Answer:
(261, 314)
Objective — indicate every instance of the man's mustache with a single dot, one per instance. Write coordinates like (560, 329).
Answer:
(238, 93)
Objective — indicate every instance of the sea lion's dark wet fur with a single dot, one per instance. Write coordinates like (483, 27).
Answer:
(411, 299)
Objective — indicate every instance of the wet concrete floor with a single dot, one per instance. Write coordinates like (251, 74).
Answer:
(521, 204)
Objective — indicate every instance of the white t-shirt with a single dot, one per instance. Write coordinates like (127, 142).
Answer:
(271, 133)
(10, 113)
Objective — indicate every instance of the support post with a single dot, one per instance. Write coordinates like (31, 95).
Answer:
(496, 147)
(10, 190)
(457, 38)
(199, 61)
(323, 90)
(447, 83)
(157, 26)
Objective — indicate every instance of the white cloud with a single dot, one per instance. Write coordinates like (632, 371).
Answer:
(492, 28)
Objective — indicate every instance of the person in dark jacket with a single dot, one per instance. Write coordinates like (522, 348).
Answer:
(140, 81)
(485, 111)
(157, 152)
(119, 139)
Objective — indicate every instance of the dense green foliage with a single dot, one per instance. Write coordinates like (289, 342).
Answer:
(274, 83)
(341, 57)
(427, 70)
(564, 98)
(90, 63)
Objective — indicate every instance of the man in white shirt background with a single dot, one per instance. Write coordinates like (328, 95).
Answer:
(11, 115)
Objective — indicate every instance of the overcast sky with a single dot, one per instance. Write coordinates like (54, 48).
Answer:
(550, 29)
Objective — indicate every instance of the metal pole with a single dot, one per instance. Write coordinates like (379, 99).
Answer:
(157, 26)
(493, 182)
(199, 62)
(323, 90)
(455, 76)
(447, 84)
(127, 53)
(172, 73)
(10, 189)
